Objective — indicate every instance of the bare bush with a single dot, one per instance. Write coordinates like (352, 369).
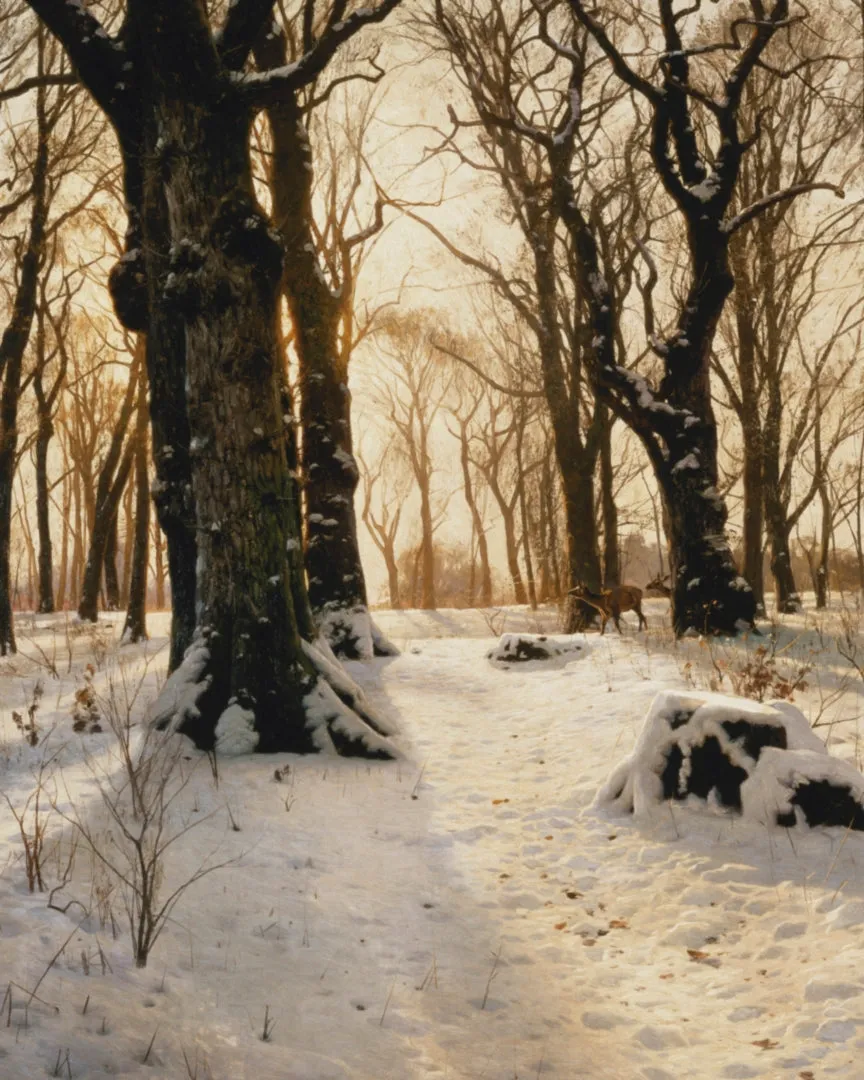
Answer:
(32, 819)
(141, 791)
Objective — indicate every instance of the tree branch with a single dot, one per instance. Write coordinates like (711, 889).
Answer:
(35, 82)
(244, 22)
(755, 209)
(97, 57)
(269, 87)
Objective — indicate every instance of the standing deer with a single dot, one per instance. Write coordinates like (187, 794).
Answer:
(614, 601)
(658, 584)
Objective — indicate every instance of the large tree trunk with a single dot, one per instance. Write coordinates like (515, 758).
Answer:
(786, 595)
(477, 520)
(44, 435)
(336, 582)
(611, 552)
(428, 599)
(583, 556)
(519, 594)
(392, 578)
(751, 430)
(135, 628)
(247, 682)
(753, 525)
(823, 566)
(137, 287)
(109, 561)
(158, 566)
(100, 552)
(12, 347)
(708, 593)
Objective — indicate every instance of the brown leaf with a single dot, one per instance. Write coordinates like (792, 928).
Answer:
(667, 975)
(619, 924)
(766, 1044)
(697, 954)
(560, 925)
(497, 802)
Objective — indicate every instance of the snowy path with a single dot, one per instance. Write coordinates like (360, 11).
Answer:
(462, 914)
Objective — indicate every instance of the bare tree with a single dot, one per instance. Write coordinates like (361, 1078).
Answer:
(201, 276)
(327, 233)
(780, 299)
(411, 393)
(389, 482)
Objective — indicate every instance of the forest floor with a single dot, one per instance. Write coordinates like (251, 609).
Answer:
(463, 913)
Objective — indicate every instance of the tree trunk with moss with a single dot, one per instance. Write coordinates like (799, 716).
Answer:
(336, 582)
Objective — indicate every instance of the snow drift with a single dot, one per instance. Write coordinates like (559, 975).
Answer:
(762, 760)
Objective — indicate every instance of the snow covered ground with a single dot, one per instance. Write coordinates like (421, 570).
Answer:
(462, 913)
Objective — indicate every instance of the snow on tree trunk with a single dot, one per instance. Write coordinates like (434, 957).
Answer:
(709, 596)
(761, 760)
(336, 582)
(246, 683)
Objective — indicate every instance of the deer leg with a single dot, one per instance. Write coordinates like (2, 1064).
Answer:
(616, 615)
(643, 622)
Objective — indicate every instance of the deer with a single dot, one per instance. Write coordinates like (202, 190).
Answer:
(658, 584)
(613, 601)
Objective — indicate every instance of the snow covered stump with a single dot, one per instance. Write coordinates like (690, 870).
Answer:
(519, 648)
(762, 760)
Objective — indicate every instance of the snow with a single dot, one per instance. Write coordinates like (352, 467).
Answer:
(235, 731)
(465, 911)
(685, 722)
(689, 461)
(528, 648)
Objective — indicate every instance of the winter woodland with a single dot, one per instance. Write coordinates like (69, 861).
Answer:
(431, 544)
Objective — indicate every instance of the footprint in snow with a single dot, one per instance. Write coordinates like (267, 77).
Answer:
(745, 1012)
(603, 1020)
(836, 1031)
(790, 930)
(657, 1038)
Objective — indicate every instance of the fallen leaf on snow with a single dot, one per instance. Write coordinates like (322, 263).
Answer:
(560, 925)
(619, 924)
(766, 1044)
(497, 802)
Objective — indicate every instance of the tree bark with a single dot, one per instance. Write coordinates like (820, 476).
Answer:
(135, 628)
(12, 348)
(109, 559)
(336, 582)
(44, 435)
(476, 518)
(247, 682)
(102, 550)
(611, 552)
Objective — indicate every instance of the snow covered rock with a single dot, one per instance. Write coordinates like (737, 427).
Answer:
(762, 760)
(517, 648)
